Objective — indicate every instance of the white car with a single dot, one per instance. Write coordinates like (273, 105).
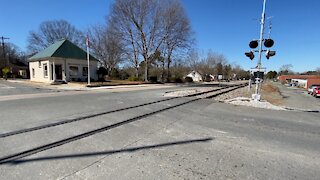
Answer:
(310, 89)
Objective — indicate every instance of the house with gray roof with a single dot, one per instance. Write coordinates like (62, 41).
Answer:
(62, 61)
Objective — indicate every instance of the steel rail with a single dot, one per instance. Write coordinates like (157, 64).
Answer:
(14, 157)
(35, 128)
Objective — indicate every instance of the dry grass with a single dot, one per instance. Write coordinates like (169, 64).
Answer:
(271, 94)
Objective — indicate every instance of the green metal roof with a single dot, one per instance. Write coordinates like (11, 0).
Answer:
(62, 49)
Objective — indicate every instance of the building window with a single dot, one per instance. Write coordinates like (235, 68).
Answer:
(84, 71)
(23, 73)
(39, 64)
(45, 70)
(33, 73)
(73, 70)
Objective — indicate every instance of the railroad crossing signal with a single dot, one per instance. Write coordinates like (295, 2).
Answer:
(270, 53)
(249, 54)
(268, 43)
(253, 44)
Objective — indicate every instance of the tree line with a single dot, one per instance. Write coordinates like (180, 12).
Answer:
(13, 54)
(286, 69)
(140, 40)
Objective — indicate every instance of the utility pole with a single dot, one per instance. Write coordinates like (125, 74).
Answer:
(3, 50)
(88, 59)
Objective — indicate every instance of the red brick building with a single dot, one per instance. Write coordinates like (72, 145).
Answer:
(311, 79)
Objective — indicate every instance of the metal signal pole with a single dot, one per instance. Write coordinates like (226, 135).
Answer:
(258, 71)
(261, 33)
(259, 64)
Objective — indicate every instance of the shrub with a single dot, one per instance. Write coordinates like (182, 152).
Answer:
(153, 79)
(188, 79)
(102, 71)
(9, 74)
(5, 72)
(132, 78)
(19, 76)
(176, 80)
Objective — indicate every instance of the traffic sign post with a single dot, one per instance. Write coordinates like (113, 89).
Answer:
(257, 77)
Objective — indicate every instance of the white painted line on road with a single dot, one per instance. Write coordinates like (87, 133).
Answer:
(39, 95)
(248, 119)
(4, 86)
(222, 132)
(7, 87)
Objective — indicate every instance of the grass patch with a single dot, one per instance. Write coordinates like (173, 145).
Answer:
(271, 94)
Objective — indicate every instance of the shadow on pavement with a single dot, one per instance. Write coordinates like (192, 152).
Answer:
(101, 153)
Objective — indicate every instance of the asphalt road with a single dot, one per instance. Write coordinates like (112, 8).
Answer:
(298, 98)
(200, 140)
(14, 88)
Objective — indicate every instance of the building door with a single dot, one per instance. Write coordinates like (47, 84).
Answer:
(58, 71)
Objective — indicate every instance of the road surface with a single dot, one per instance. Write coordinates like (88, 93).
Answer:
(199, 140)
(298, 98)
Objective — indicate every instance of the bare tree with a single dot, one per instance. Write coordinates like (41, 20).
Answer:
(236, 71)
(13, 54)
(177, 30)
(120, 27)
(192, 59)
(139, 23)
(227, 71)
(133, 53)
(106, 47)
(51, 31)
(285, 69)
(215, 61)
(212, 63)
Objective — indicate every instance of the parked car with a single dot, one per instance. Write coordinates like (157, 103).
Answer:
(310, 89)
(316, 91)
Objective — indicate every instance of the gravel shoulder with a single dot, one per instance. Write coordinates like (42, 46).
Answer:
(274, 96)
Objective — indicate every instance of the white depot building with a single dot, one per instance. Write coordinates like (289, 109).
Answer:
(196, 77)
(62, 61)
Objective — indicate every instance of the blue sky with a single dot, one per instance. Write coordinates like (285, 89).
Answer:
(225, 26)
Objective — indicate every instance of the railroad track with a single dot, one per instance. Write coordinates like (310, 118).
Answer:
(14, 158)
